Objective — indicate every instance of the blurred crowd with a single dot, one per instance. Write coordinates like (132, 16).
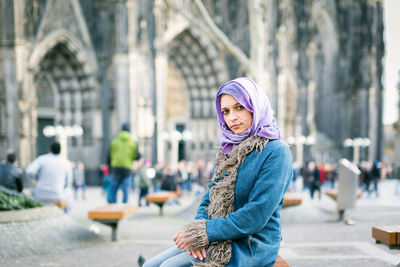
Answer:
(147, 177)
(313, 177)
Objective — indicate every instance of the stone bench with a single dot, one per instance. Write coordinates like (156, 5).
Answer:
(389, 235)
(160, 198)
(280, 262)
(111, 214)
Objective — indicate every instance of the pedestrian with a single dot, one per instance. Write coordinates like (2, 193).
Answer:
(365, 176)
(143, 181)
(104, 172)
(11, 176)
(169, 183)
(54, 176)
(123, 151)
(78, 177)
(315, 182)
(296, 173)
(158, 176)
(328, 176)
(183, 175)
(169, 180)
(376, 175)
(397, 177)
(253, 171)
(306, 175)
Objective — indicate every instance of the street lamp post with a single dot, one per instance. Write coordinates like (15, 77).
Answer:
(62, 133)
(146, 123)
(300, 141)
(357, 143)
(174, 137)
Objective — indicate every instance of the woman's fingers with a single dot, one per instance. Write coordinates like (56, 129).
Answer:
(182, 244)
(198, 254)
(203, 252)
(176, 235)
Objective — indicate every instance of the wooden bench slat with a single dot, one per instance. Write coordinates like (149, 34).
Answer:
(61, 204)
(292, 201)
(280, 262)
(334, 193)
(160, 196)
(112, 211)
(389, 235)
(111, 215)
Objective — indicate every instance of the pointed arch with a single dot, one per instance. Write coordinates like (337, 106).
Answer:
(201, 71)
(73, 44)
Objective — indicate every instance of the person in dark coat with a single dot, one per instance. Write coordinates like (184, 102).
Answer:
(169, 182)
(11, 176)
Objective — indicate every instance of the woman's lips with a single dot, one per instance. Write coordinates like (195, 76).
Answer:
(235, 126)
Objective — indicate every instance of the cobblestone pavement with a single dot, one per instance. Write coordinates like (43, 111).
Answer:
(311, 234)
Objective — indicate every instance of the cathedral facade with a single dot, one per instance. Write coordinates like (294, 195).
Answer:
(98, 64)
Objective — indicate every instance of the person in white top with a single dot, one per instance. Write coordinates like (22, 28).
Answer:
(54, 175)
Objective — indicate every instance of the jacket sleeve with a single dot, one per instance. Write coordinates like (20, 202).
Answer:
(202, 210)
(18, 176)
(266, 195)
(33, 168)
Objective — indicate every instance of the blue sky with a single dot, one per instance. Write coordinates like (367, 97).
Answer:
(392, 60)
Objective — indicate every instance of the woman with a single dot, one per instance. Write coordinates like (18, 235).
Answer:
(238, 221)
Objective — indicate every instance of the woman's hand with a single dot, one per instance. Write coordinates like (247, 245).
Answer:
(197, 253)
(179, 241)
(182, 244)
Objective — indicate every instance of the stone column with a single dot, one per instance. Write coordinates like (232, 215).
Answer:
(14, 51)
(373, 123)
(8, 75)
(121, 64)
(281, 102)
(161, 77)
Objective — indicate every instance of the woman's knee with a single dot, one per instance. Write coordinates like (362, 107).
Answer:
(150, 263)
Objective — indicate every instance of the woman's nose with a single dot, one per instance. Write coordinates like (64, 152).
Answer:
(232, 116)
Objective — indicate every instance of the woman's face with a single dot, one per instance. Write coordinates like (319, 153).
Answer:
(235, 115)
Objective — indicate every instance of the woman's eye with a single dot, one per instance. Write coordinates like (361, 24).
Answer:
(240, 107)
(225, 112)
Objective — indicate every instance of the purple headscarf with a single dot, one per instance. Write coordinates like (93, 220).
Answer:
(247, 93)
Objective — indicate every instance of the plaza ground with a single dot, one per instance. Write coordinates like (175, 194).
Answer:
(312, 236)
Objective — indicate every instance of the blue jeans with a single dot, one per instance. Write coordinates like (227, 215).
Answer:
(172, 257)
(116, 181)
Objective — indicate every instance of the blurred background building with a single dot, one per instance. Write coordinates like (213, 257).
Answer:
(98, 64)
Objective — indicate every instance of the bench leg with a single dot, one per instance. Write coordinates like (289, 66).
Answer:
(341, 215)
(161, 206)
(114, 227)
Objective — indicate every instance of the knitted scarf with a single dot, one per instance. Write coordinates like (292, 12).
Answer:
(221, 202)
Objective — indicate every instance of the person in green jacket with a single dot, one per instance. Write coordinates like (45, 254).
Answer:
(123, 151)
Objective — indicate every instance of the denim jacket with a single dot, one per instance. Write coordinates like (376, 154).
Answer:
(255, 226)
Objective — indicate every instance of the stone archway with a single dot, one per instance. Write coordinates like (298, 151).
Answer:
(323, 54)
(195, 61)
(60, 64)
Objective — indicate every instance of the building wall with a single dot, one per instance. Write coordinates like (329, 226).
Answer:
(107, 62)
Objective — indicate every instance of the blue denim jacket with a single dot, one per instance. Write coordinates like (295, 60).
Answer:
(254, 227)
